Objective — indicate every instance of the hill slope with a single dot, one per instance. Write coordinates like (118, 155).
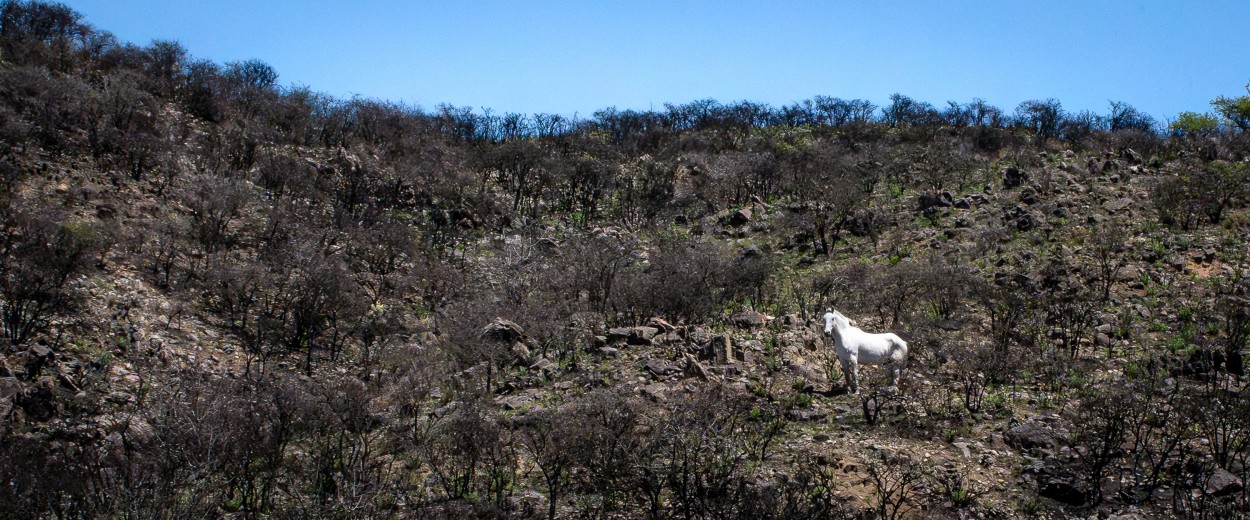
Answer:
(224, 297)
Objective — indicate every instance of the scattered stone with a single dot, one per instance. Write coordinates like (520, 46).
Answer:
(698, 335)
(659, 368)
(963, 449)
(668, 338)
(619, 333)
(1035, 435)
(9, 387)
(514, 402)
(805, 372)
(1063, 487)
(749, 319)
(1117, 205)
(1102, 340)
(1131, 156)
(719, 350)
(1013, 177)
(1028, 197)
(105, 212)
(659, 323)
(502, 330)
(929, 201)
(641, 335)
(1208, 253)
(654, 391)
(598, 343)
(740, 217)
(544, 365)
(521, 354)
(1222, 482)
(693, 368)
(807, 415)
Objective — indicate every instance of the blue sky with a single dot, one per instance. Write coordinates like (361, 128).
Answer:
(578, 57)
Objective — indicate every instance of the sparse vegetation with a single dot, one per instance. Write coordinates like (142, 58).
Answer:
(222, 296)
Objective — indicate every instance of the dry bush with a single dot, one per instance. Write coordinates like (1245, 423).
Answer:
(471, 452)
(691, 281)
(214, 203)
(701, 455)
(894, 479)
(40, 251)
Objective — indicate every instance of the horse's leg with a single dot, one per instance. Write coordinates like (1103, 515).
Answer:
(900, 360)
(852, 376)
(855, 376)
(847, 370)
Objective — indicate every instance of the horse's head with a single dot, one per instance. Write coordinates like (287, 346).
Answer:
(835, 319)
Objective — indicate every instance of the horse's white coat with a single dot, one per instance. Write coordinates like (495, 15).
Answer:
(854, 346)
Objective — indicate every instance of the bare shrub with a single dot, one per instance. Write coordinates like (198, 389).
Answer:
(1101, 425)
(956, 486)
(471, 453)
(690, 280)
(894, 479)
(39, 252)
(544, 433)
(705, 449)
(215, 203)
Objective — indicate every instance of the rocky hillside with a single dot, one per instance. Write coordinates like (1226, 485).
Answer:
(222, 297)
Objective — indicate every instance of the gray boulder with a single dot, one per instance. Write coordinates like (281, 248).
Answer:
(503, 330)
(1034, 435)
(1222, 482)
(1013, 177)
(1063, 487)
(750, 319)
(740, 217)
(659, 368)
(641, 335)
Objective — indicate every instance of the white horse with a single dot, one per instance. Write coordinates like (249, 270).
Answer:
(854, 346)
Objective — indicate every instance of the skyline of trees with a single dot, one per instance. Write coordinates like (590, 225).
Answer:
(53, 35)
